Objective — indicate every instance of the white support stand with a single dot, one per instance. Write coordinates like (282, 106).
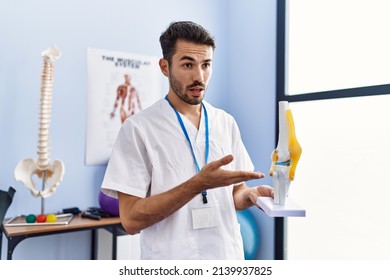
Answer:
(43, 188)
(289, 209)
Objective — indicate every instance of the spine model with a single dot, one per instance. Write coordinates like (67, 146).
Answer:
(50, 173)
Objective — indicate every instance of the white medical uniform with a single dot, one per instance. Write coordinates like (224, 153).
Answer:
(151, 155)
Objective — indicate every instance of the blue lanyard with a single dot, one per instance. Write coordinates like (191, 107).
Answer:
(204, 194)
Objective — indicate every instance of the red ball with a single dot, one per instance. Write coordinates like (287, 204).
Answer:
(41, 218)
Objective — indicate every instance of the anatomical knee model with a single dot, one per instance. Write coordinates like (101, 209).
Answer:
(286, 155)
(50, 173)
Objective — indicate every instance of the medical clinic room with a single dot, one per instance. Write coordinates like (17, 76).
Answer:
(219, 137)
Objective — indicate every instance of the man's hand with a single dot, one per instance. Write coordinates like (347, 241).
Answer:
(260, 191)
(212, 175)
(245, 196)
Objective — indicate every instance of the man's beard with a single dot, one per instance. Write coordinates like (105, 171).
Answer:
(180, 90)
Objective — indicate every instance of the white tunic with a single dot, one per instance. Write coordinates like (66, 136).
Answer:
(151, 155)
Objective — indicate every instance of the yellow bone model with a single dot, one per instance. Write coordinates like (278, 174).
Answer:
(293, 145)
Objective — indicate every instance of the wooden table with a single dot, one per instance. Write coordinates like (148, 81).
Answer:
(16, 234)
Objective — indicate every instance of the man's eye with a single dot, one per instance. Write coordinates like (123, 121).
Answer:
(187, 65)
(206, 65)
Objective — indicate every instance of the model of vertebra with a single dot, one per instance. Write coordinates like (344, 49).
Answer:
(51, 174)
(286, 155)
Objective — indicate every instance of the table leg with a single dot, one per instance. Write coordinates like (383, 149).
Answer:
(12, 243)
(94, 242)
(114, 241)
(1, 241)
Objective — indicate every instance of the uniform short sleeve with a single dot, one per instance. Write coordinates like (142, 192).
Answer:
(129, 168)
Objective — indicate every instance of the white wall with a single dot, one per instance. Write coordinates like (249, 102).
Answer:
(29, 27)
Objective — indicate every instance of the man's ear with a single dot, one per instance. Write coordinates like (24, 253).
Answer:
(164, 66)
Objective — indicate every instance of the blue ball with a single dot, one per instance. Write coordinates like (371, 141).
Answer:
(250, 233)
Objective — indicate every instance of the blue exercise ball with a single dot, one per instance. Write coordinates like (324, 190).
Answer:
(250, 233)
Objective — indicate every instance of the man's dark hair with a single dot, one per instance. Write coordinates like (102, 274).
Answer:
(186, 31)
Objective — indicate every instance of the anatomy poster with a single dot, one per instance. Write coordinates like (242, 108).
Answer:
(119, 86)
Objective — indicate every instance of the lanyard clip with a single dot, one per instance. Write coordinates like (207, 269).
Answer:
(204, 194)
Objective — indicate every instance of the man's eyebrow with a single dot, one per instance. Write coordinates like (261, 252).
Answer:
(187, 58)
(192, 59)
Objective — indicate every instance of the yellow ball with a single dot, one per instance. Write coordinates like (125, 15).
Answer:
(51, 218)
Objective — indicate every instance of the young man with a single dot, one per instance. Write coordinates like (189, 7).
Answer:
(179, 167)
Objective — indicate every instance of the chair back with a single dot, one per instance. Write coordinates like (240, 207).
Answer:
(5, 201)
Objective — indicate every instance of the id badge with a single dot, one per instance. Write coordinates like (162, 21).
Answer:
(205, 217)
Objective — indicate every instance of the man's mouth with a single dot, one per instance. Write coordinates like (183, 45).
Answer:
(196, 88)
(196, 91)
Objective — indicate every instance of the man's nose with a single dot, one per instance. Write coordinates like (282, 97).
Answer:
(198, 74)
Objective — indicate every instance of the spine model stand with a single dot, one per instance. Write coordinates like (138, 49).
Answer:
(51, 174)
